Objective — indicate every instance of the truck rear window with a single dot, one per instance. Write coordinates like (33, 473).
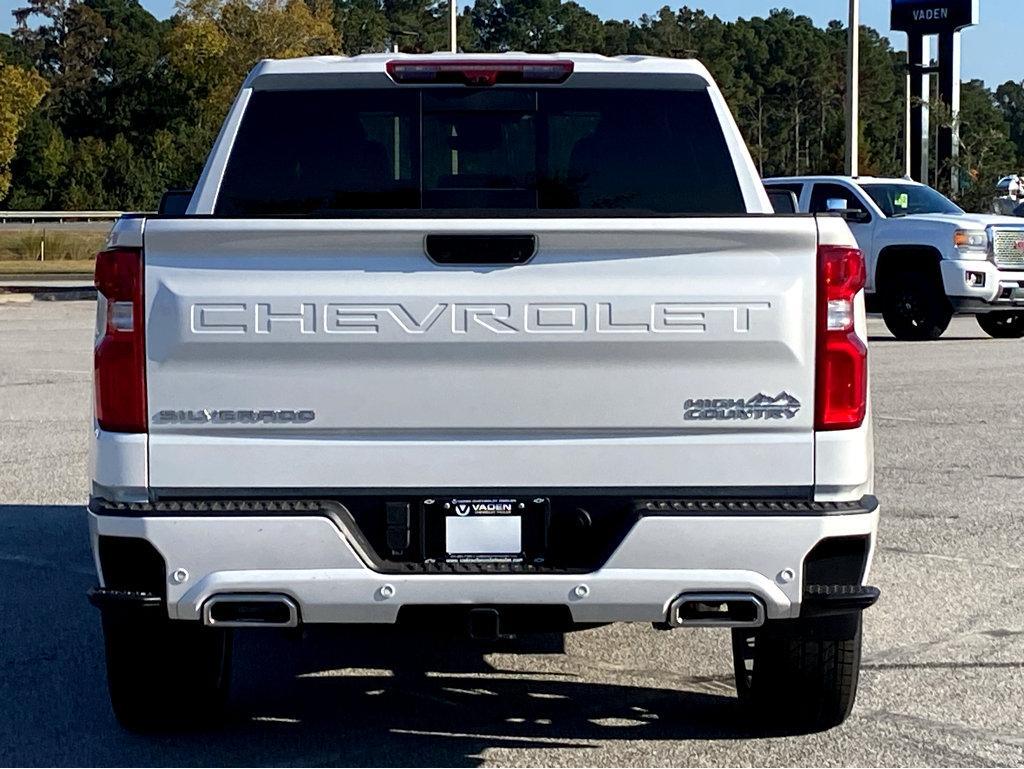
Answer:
(520, 151)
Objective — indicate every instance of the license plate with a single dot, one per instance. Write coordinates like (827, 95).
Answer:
(483, 527)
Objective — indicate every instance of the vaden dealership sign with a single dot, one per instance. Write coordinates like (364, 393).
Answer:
(933, 16)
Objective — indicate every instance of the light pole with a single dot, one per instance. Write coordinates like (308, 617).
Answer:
(454, 8)
(853, 92)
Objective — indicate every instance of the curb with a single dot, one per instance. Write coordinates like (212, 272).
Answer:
(27, 293)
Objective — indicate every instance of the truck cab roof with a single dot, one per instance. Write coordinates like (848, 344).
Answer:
(839, 178)
(267, 70)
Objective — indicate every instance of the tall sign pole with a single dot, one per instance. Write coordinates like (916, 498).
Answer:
(921, 19)
(908, 156)
(949, 93)
(919, 80)
(853, 92)
(454, 23)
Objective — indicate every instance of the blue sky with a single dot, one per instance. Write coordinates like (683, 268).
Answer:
(993, 51)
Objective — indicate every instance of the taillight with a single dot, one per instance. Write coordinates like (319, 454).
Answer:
(120, 355)
(478, 72)
(841, 392)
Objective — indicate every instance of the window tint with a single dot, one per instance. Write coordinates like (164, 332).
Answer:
(302, 153)
(796, 189)
(783, 201)
(897, 200)
(336, 152)
(823, 193)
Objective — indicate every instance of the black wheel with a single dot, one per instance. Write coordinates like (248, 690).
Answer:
(915, 307)
(1002, 325)
(799, 676)
(165, 675)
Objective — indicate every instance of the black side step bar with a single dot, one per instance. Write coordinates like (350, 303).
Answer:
(830, 600)
(112, 600)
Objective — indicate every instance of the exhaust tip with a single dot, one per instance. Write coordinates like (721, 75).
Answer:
(716, 610)
(257, 610)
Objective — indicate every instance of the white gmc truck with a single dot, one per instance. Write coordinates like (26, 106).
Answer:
(501, 344)
(926, 258)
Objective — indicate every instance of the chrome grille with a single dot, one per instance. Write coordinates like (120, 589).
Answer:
(1008, 248)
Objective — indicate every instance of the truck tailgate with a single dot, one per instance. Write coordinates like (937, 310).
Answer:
(334, 354)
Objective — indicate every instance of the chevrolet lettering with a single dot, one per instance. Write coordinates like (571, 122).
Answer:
(490, 318)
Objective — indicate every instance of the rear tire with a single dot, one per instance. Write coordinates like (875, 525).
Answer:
(915, 309)
(799, 676)
(164, 675)
(1002, 325)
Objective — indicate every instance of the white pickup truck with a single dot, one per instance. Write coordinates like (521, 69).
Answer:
(500, 344)
(926, 258)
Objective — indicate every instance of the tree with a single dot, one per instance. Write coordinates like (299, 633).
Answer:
(107, 65)
(133, 89)
(65, 47)
(12, 53)
(535, 26)
(40, 165)
(362, 25)
(789, 63)
(134, 103)
(986, 151)
(620, 37)
(20, 92)
(216, 42)
(1010, 100)
(416, 26)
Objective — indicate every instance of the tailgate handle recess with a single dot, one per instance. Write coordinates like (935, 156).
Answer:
(481, 249)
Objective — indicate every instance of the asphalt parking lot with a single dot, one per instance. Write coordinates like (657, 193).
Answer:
(943, 676)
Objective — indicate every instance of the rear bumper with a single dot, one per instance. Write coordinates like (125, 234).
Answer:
(312, 559)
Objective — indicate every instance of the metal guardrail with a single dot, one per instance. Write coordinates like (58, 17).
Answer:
(58, 216)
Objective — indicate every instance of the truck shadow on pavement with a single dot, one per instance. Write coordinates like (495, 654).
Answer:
(945, 338)
(317, 696)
